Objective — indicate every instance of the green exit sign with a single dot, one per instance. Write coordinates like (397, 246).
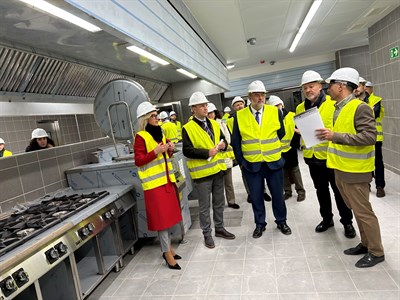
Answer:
(394, 52)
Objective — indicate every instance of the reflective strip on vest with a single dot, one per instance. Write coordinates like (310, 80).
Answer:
(200, 168)
(346, 158)
(352, 155)
(154, 173)
(208, 166)
(267, 146)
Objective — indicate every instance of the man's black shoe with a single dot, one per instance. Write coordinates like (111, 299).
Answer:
(209, 242)
(234, 205)
(258, 232)
(349, 231)
(248, 199)
(369, 260)
(357, 250)
(323, 226)
(284, 228)
(223, 233)
(267, 197)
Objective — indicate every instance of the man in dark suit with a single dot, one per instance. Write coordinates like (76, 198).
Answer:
(256, 135)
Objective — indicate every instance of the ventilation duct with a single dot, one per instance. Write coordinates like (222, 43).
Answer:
(29, 73)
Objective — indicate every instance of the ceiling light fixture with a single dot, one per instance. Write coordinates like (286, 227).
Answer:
(148, 55)
(188, 74)
(313, 9)
(230, 66)
(62, 14)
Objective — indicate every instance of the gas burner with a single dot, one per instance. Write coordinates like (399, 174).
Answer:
(24, 232)
(59, 213)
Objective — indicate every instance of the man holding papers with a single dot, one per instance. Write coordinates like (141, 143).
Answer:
(256, 134)
(315, 157)
(351, 154)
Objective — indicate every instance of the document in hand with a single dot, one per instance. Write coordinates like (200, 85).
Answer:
(307, 122)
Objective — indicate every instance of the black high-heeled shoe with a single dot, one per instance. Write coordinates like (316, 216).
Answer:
(173, 267)
(176, 256)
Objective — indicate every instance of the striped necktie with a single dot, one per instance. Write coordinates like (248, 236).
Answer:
(208, 130)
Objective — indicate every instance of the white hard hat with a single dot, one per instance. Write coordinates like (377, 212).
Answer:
(227, 109)
(1, 141)
(237, 99)
(345, 74)
(211, 107)
(369, 84)
(144, 108)
(362, 80)
(163, 115)
(256, 87)
(197, 98)
(172, 113)
(39, 133)
(310, 76)
(274, 100)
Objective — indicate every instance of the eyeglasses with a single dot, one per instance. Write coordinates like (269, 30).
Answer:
(332, 82)
(154, 116)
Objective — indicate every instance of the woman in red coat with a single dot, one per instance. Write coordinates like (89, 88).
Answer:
(152, 157)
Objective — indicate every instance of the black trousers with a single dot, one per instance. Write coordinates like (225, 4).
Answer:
(322, 177)
(379, 173)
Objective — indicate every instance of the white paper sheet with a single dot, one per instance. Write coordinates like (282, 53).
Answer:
(307, 122)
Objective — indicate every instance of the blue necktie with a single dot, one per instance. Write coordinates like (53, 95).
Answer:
(258, 117)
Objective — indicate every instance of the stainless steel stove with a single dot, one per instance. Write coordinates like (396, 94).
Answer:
(62, 246)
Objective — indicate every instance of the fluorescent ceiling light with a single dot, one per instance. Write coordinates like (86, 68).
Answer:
(230, 66)
(148, 55)
(60, 13)
(188, 74)
(306, 22)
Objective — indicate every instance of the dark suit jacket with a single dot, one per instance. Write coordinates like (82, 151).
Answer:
(236, 142)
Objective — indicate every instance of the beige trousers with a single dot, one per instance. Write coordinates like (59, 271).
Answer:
(356, 197)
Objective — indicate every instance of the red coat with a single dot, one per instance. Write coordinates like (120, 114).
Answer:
(162, 204)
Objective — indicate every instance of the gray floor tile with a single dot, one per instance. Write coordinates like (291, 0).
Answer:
(225, 285)
(295, 283)
(333, 282)
(373, 280)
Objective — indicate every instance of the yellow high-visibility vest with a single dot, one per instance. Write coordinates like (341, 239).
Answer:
(229, 124)
(7, 153)
(170, 131)
(200, 168)
(326, 111)
(288, 121)
(353, 159)
(154, 174)
(178, 129)
(372, 100)
(225, 116)
(260, 143)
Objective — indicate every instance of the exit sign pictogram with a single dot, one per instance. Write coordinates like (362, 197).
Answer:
(394, 52)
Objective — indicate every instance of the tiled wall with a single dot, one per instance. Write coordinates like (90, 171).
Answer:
(16, 131)
(28, 176)
(384, 35)
(357, 58)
